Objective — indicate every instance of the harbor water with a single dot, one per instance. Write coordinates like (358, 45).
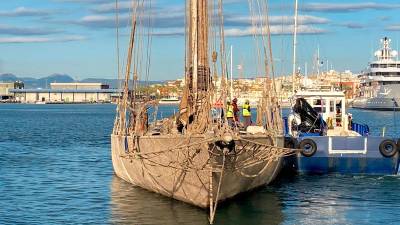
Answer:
(55, 168)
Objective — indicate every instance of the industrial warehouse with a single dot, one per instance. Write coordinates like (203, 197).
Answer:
(5, 95)
(67, 93)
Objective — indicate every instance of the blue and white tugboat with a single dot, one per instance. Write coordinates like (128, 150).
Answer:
(331, 142)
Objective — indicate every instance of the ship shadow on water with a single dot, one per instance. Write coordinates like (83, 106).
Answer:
(134, 205)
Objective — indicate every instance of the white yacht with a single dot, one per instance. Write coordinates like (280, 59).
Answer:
(170, 100)
(380, 83)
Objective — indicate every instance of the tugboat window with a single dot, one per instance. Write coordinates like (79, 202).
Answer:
(318, 102)
(319, 109)
(332, 106)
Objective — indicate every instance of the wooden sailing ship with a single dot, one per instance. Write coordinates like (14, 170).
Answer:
(194, 156)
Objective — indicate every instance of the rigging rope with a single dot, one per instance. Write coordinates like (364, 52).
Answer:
(214, 208)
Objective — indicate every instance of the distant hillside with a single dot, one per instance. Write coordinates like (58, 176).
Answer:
(37, 83)
(44, 82)
(8, 77)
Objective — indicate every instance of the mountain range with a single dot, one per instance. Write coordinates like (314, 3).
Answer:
(44, 82)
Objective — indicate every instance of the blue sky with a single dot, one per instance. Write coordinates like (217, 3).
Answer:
(77, 37)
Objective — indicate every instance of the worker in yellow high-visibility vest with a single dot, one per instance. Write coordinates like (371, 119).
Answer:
(229, 113)
(246, 113)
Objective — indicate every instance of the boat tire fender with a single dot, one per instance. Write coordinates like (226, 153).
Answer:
(388, 148)
(398, 145)
(308, 147)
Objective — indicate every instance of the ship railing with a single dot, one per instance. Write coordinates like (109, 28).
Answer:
(362, 129)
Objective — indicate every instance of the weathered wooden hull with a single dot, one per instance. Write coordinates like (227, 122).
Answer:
(189, 168)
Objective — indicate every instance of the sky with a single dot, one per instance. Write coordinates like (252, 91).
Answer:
(77, 37)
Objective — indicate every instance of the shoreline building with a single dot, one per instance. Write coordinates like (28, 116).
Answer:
(68, 93)
(5, 88)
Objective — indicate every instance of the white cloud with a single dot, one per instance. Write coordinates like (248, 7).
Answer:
(347, 7)
(384, 18)
(25, 31)
(83, 1)
(123, 6)
(96, 18)
(302, 19)
(352, 25)
(102, 21)
(169, 32)
(19, 40)
(276, 20)
(393, 27)
(174, 18)
(167, 17)
(249, 31)
(275, 30)
(126, 5)
(23, 11)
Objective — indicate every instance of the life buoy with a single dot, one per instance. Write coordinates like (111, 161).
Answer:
(308, 147)
(290, 143)
(388, 148)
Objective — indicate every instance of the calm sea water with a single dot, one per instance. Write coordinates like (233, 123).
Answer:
(55, 168)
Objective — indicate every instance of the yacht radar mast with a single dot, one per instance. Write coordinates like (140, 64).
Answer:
(386, 53)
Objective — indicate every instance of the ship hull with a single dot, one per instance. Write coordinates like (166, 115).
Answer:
(347, 155)
(377, 103)
(193, 174)
(169, 102)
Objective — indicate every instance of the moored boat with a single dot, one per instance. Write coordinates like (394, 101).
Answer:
(170, 100)
(192, 156)
(195, 170)
(331, 142)
(380, 83)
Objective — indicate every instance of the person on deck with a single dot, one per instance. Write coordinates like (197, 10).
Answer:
(246, 113)
(229, 114)
(235, 110)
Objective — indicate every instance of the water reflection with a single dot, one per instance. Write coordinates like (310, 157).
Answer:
(339, 199)
(261, 206)
(133, 205)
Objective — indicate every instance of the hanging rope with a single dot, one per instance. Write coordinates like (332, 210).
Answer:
(214, 207)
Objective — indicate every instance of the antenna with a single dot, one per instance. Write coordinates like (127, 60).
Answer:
(305, 69)
(294, 44)
(397, 48)
(318, 61)
(327, 65)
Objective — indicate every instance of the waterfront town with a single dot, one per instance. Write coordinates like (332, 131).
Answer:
(243, 88)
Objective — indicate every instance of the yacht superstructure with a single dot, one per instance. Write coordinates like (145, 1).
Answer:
(380, 83)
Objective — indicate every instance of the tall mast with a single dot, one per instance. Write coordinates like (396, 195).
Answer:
(198, 71)
(231, 72)
(294, 45)
(193, 44)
